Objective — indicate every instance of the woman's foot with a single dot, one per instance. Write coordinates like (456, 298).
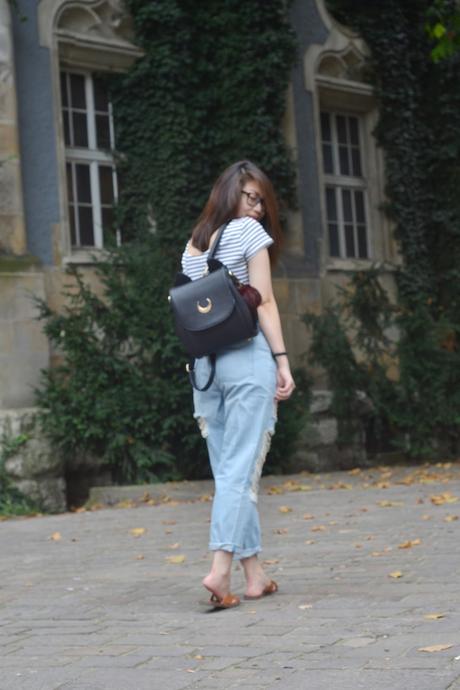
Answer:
(218, 580)
(258, 584)
(217, 584)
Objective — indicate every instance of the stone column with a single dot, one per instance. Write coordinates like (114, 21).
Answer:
(12, 227)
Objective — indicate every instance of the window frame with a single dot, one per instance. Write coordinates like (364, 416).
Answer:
(91, 156)
(340, 182)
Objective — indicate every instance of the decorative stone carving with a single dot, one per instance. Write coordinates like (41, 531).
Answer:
(349, 66)
(93, 34)
(103, 19)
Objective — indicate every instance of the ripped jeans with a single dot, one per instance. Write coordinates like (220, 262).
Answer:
(237, 417)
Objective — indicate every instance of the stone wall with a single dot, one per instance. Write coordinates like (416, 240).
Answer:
(35, 468)
(24, 348)
(12, 231)
(319, 448)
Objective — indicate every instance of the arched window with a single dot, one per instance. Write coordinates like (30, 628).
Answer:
(350, 165)
(87, 39)
(343, 157)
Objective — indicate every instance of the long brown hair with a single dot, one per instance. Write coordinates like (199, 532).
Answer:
(224, 200)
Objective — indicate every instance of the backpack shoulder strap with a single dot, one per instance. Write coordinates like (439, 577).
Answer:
(215, 244)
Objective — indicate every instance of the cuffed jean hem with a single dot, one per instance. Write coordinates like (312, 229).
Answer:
(237, 553)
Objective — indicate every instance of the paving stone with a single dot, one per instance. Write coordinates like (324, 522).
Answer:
(86, 613)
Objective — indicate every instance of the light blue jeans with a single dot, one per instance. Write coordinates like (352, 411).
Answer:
(237, 416)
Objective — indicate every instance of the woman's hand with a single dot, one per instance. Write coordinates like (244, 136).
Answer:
(284, 381)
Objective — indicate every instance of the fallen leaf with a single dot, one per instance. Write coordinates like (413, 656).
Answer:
(308, 516)
(205, 498)
(175, 559)
(140, 557)
(385, 470)
(309, 541)
(341, 485)
(170, 501)
(395, 574)
(275, 490)
(285, 509)
(318, 528)
(271, 561)
(305, 606)
(137, 531)
(427, 517)
(125, 504)
(451, 518)
(358, 546)
(174, 546)
(295, 486)
(168, 522)
(389, 504)
(280, 530)
(409, 543)
(434, 616)
(355, 471)
(435, 648)
(199, 657)
(56, 536)
(441, 499)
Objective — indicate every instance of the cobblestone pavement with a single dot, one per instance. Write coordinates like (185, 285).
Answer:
(368, 565)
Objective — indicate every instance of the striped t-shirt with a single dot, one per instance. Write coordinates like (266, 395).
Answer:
(241, 240)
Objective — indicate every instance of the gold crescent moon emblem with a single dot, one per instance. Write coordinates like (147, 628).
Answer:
(206, 309)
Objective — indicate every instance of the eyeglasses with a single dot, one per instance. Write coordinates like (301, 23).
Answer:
(253, 199)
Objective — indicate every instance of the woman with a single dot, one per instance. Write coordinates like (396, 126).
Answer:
(237, 413)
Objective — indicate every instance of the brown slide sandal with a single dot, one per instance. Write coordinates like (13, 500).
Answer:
(229, 601)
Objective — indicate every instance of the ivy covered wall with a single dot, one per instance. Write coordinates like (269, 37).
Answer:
(408, 357)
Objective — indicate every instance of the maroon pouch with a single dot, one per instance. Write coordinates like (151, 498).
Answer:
(250, 295)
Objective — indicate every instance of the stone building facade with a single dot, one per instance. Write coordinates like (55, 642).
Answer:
(58, 180)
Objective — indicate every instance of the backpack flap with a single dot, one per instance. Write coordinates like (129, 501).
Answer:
(204, 303)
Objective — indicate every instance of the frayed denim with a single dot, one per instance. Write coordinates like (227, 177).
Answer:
(237, 416)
